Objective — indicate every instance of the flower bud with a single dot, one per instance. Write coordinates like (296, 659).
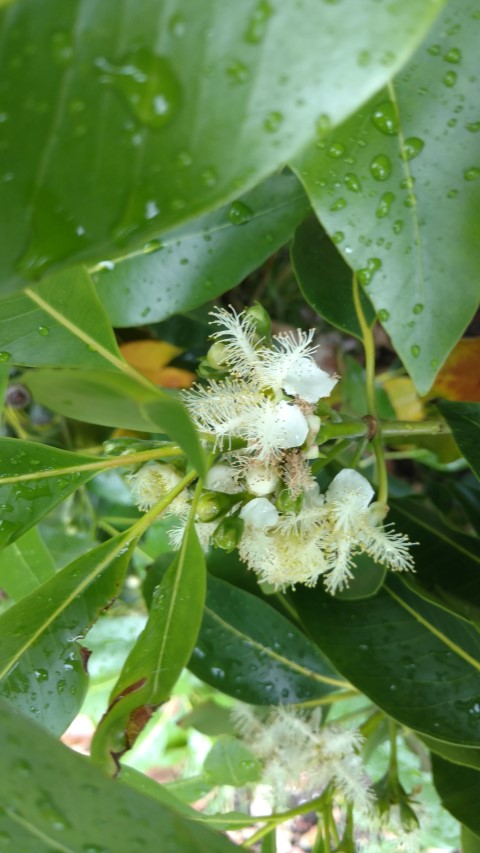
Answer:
(259, 514)
(261, 318)
(213, 504)
(261, 480)
(408, 817)
(217, 356)
(228, 533)
(286, 502)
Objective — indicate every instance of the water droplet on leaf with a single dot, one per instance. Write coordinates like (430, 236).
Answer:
(239, 213)
(385, 118)
(380, 167)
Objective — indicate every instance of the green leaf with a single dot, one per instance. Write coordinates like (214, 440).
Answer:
(77, 593)
(160, 653)
(464, 421)
(58, 323)
(325, 279)
(49, 683)
(447, 563)
(29, 495)
(141, 121)
(114, 400)
(25, 564)
(416, 661)
(400, 175)
(205, 258)
(459, 789)
(229, 762)
(470, 841)
(466, 755)
(247, 649)
(49, 791)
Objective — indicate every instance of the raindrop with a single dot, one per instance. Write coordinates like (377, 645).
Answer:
(338, 236)
(258, 23)
(413, 147)
(384, 205)
(177, 25)
(452, 193)
(366, 274)
(454, 56)
(352, 183)
(385, 118)
(434, 49)
(183, 159)
(273, 122)
(209, 177)
(62, 48)
(473, 126)
(450, 79)
(323, 124)
(239, 213)
(339, 204)
(336, 150)
(410, 200)
(472, 174)
(237, 72)
(147, 82)
(44, 331)
(5, 356)
(415, 350)
(383, 315)
(434, 363)
(452, 122)
(380, 167)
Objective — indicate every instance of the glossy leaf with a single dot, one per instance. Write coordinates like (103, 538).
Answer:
(95, 577)
(204, 258)
(25, 564)
(464, 421)
(134, 123)
(114, 400)
(325, 278)
(466, 755)
(247, 649)
(447, 562)
(160, 653)
(459, 789)
(48, 791)
(25, 500)
(413, 659)
(49, 682)
(58, 323)
(399, 176)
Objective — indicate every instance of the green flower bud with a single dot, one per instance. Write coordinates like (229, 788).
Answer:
(206, 371)
(263, 323)
(217, 356)
(286, 502)
(213, 504)
(408, 817)
(228, 533)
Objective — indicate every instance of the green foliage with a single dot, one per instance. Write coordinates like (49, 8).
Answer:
(316, 163)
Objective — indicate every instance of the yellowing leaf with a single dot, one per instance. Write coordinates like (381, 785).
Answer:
(459, 378)
(150, 357)
(404, 398)
(176, 377)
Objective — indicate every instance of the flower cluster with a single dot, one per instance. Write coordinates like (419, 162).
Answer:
(299, 755)
(258, 410)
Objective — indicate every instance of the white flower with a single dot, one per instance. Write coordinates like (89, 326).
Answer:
(291, 367)
(238, 336)
(154, 481)
(261, 479)
(300, 756)
(282, 558)
(259, 514)
(222, 478)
